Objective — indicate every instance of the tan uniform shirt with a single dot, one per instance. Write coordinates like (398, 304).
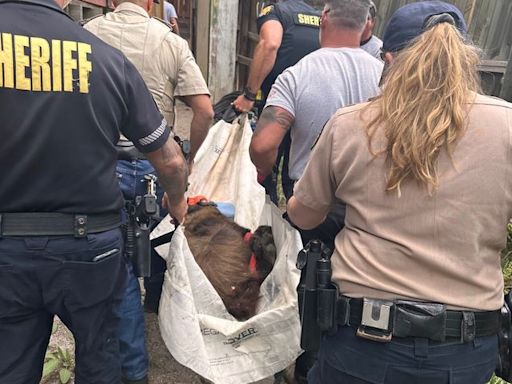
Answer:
(441, 248)
(162, 57)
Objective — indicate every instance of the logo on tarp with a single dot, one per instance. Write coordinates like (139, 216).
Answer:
(209, 332)
(242, 336)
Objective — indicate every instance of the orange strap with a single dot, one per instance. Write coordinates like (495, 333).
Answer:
(194, 200)
(252, 261)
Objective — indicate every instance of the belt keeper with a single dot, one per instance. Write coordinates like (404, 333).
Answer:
(80, 226)
(468, 327)
(344, 311)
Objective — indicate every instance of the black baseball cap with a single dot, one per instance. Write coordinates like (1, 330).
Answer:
(408, 22)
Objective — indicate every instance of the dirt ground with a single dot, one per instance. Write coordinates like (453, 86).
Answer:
(163, 369)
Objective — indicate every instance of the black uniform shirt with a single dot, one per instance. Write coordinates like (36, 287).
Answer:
(65, 96)
(301, 23)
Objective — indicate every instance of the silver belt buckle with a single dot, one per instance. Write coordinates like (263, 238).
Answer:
(375, 320)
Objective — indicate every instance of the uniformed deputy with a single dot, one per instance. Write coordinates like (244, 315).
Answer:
(163, 59)
(64, 97)
(288, 31)
(425, 172)
(168, 67)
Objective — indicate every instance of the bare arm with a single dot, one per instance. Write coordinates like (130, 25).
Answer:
(172, 171)
(175, 26)
(265, 53)
(264, 58)
(272, 126)
(203, 116)
(303, 216)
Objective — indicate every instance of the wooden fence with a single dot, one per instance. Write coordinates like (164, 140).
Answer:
(489, 21)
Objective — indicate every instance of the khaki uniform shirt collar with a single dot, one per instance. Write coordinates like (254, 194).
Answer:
(130, 7)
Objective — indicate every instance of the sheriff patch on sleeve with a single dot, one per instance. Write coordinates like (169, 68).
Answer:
(265, 11)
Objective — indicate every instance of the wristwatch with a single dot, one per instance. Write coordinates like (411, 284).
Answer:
(249, 95)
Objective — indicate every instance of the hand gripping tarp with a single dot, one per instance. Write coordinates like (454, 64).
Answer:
(194, 323)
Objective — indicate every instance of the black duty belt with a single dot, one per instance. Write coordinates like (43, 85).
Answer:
(380, 320)
(56, 224)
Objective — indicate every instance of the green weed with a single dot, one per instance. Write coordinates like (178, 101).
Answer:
(58, 364)
(497, 380)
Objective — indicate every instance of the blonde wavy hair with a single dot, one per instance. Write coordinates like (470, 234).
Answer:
(424, 104)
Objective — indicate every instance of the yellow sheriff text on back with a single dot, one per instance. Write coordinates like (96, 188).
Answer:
(39, 65)
(309, 20)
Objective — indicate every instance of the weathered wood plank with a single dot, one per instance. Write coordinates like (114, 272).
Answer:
(223, 28)
(493, 66)
(253, 36)
(244, 60)
(247, 37)
(202, 36)
(243, 43)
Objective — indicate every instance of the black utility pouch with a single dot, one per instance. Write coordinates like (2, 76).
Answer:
(326, 309)
(327, 294)
(417, 319)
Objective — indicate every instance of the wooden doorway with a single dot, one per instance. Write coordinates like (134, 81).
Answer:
(247, 38)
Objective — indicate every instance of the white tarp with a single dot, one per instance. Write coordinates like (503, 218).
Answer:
(194, 323)
(203, 336)
(223, 171)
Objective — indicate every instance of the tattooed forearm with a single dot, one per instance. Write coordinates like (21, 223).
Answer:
(170, 151)
(276, 115)
(171, 168)
(272, 126)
